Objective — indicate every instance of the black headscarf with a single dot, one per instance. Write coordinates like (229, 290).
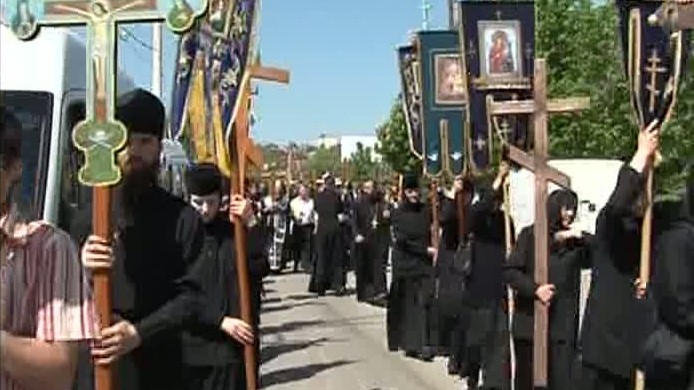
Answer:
(558, 199)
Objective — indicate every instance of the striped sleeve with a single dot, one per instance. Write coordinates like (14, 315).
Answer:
(65, 308)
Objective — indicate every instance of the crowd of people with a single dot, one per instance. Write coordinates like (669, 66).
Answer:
(176, 319)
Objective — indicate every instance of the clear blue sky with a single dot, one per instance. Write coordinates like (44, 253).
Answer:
(341, 54)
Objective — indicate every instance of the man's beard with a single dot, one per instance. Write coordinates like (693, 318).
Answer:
(138, 181)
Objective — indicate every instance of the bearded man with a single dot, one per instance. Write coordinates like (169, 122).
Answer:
(157, 239)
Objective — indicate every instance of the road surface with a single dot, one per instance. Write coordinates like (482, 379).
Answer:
(334, 343)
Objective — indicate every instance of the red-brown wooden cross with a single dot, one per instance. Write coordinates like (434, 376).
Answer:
(242, 150)
(540, 108)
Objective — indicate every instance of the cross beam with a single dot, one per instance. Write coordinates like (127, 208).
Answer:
(539, 108)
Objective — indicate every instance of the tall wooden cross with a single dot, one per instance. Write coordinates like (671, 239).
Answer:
(540, 108)
(100, 135)
(243, 150)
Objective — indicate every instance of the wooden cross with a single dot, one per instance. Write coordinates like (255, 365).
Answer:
(243, 150)
(100, 135)
(539, 107)
(653, 70)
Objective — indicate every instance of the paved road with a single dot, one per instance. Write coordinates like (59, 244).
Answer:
(334, 343)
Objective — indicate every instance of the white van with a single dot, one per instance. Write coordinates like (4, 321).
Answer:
(42, 81)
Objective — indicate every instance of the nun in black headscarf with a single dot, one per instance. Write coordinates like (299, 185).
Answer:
(568, 254)
(412, 286)
(668, 353)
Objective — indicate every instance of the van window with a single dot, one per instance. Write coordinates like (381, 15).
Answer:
(74, 196)
(33, 110)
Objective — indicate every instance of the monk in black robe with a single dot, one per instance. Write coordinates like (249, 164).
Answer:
(451, 277)
(214, 340)
(610, 338)
(328, 274)
(487, 339)
(411, 290)
(370, 272)
(672, 292)
(156, 243)
(568, 254)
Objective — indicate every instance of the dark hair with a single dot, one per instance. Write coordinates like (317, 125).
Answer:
(10, 138)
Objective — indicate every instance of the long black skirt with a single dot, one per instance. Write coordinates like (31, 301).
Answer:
(408, 315)
(226, 377)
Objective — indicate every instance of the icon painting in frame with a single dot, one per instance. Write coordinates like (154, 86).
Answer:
(450, 83)
(500, 51)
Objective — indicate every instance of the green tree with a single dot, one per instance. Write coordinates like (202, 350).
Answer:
(581, 43)
(362, 164)
(324, 159)
(394, 143)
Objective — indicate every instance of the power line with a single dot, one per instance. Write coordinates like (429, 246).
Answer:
(129, 35)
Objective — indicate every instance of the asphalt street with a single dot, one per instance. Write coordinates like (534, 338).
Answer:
(334, 343)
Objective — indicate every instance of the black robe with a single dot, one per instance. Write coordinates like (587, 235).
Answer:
(407, 318)
(369, 270)
(565, 263)
(673, 292)
(328, 274)
(212, 359)
(154, 285)
(487, 332)
(609, 336)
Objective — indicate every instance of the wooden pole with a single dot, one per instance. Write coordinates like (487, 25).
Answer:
(238, 157)
(434, 202)
(645, 262)
(508, 235)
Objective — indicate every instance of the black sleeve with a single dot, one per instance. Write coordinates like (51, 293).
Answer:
(629, 186)
(674, 280)
(517, 270)
(173, 314)
(258, 265)
(480, 210)
(407, 241)
(81, 226)
(449, 212)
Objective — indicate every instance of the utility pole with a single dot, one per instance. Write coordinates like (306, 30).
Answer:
(156, 59)
(426, 10)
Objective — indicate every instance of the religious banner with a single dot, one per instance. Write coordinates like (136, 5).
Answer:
(222, 42)
(408, 63)
(499, 41)
(444, 97)
(653, 59)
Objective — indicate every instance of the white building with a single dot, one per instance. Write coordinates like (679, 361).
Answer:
(348, 145)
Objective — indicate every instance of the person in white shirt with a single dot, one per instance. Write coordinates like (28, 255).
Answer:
(304, 219)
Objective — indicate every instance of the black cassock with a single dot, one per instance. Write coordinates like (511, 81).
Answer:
(565, 263)
(610, 332)
(328, 274)
(212, 359)
(487, 333)
(411, 290)
(370, 269)
(672, 292)
(157, 246)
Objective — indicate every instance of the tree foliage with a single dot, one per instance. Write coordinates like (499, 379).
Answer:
(394, 143)
(580, 41)
(324, 159)
(363, 166)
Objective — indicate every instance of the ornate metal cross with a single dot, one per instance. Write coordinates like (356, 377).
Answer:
(99, 136)
(653, 70)
(540, 108)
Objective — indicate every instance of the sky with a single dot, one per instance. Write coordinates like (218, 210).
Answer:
(341, 55)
